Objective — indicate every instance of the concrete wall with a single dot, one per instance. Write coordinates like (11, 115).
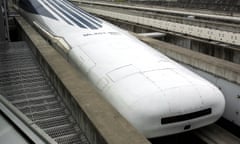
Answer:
(215, 5)
(222, 52)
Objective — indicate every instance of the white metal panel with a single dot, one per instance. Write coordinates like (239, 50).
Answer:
(102, 84)
(83, 60)
(167, 79)
(131, 89)
(122, 72)
(174, 96)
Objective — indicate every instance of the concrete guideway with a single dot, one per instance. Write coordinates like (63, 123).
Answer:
(151, 9)
(198, 31)
(195, 31)
(214, 134)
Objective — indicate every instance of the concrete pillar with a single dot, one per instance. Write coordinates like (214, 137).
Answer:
(188, 43)
(236, 57)
(228, 54)
(219, 52)
(195, 46)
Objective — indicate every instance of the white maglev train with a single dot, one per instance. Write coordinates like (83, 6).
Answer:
(155, 94)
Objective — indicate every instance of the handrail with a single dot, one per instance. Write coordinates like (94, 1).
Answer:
(31, 130)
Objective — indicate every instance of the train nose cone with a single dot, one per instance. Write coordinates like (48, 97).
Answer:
(211, 96)
(185, 91)
(194, 106)
(195, 97)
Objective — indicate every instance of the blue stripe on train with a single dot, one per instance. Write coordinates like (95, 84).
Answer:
(84, 14)
(76, 15)
(57, 13)
(67, 15)
(80, 18)
(33, 6)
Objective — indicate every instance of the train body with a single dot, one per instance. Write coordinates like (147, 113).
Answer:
(155, 94)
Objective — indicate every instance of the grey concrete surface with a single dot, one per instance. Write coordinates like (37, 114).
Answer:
(216, 135)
